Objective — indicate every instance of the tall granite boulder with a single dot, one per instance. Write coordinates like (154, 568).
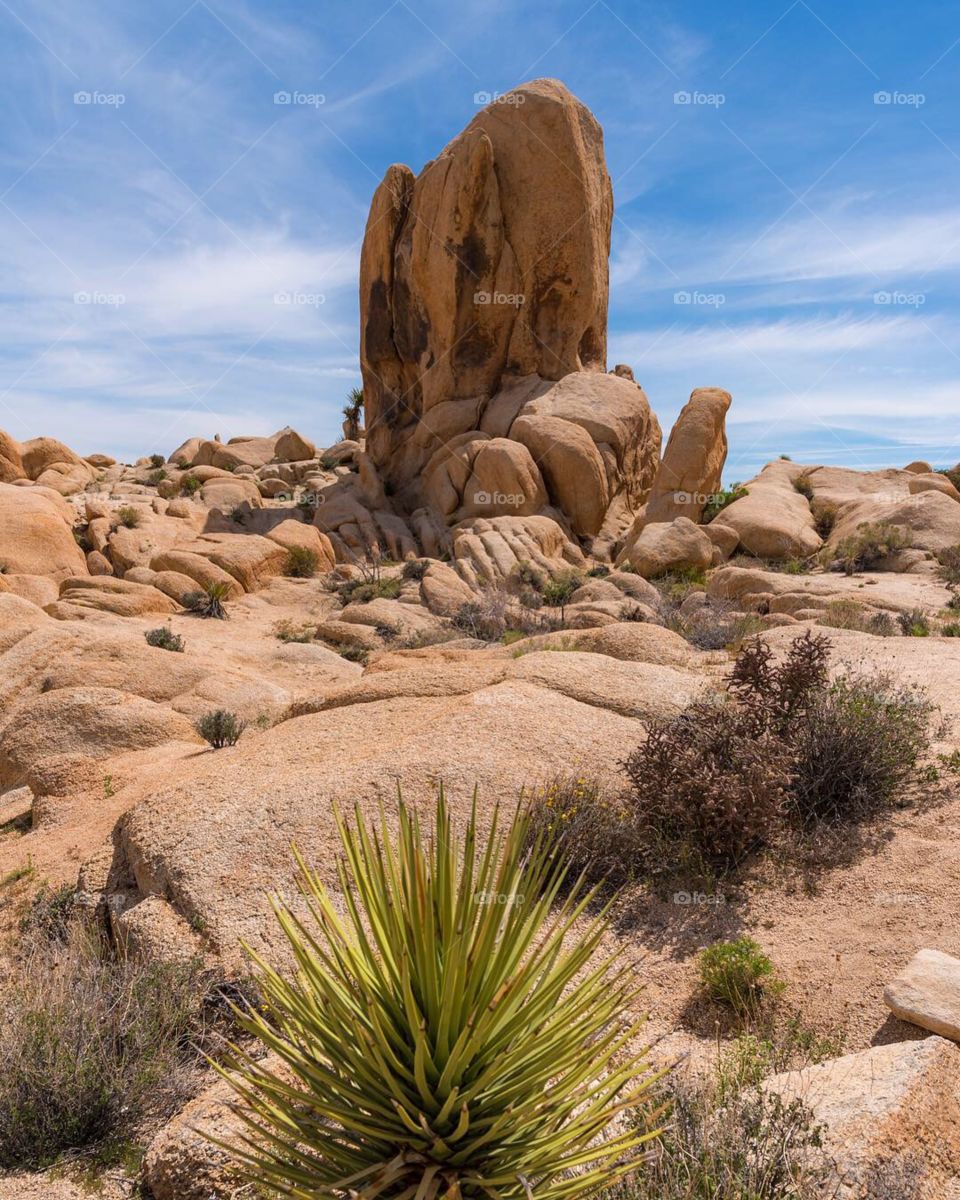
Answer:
(693, 461)
(483, 297)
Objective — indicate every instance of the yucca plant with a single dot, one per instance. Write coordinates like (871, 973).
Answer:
(208, 602)
(445, 1038)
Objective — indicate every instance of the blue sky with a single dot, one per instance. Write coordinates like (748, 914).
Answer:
(179, 253)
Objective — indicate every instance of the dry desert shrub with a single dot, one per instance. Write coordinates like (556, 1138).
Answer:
(784, 754)
(726, 1139)
(91, 1041)
(872, 542)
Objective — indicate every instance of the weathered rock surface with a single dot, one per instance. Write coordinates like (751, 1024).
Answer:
(927, 993)
(667, 546)
(774, 520)
(693, 461)
(483, 318)
(35, 534)
(884, 1109)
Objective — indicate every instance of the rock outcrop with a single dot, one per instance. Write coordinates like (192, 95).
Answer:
(483, 295)
(693, 460)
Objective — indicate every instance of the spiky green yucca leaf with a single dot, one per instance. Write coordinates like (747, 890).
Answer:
(445, 1038)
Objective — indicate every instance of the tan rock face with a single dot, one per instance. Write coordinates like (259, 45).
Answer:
(35, 534)
(774, 520)
(11, 461)
(668, 546)
(483, 318)
(460, 270)
(693, 460)
(884, 1107)
(927, 993)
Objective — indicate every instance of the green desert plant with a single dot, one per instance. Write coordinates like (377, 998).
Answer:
(718, 501)
(208, 602)
(558, 590)
(157, 461)
(353, 409)
(165, 639)
(220, 728)
(872, 542)
(302, 562)
(949, 560)
(737, 974)
(190, 485)
(856, 749)
(914, 623)
(129, 517)
(444, 1035)
(415, 568)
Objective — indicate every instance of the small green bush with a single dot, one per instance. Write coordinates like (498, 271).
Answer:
(129, 517)
(914, 623)
(302, 563)
(803, 485)
(872, 542)
(362, 591)
(190, 485)
(165, 639)
(50, 913)
(718, 501)
(209, 601)
(557, 591)
(220, 728)
(157, 477)
(714, 625)
(354, 654)
(737, 974)
(949, 560)
(157, 460)
(286, 631)
(531, 577)
(951, 629)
